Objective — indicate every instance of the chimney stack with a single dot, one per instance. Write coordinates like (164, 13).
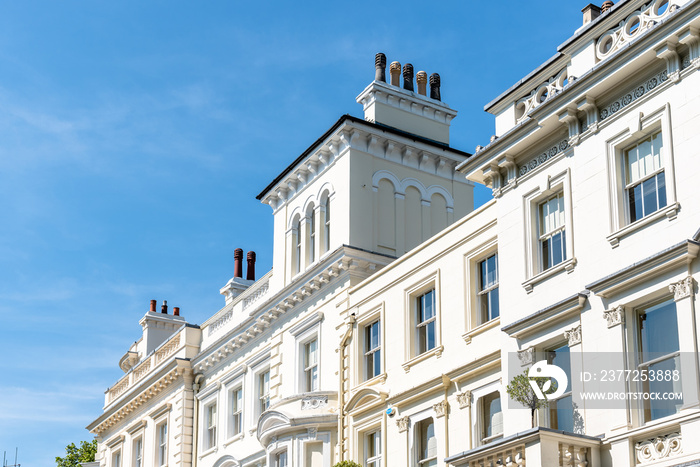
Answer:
(238, 263)
(250, 273)
(408, 77)
(176, 311)
(164, 307)
(380, 67)
(153, 306)
(590, 12)
(422, 80)
(395, 71)
(607, 5)
(435, 86)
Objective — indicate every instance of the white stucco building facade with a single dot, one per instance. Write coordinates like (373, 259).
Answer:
(395, 315)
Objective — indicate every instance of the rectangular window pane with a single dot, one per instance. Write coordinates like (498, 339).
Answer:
(557, 249)
(649, 194)
(661, 189)
(493, 300)
(493, 417)
(428, 442)
(546, 254)
(659, 346)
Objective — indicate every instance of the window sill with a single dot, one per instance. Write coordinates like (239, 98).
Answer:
(437, 352)
(379, 379)
(467, 336)
(233, 439)
(209, 451)
(670, 211)
(567, 265)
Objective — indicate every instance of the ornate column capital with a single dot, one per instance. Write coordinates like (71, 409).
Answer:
(682, 289)
(402, 423)
(526, 356)
(573, 335)
(441, 409)
(464, 399)
(615, 316)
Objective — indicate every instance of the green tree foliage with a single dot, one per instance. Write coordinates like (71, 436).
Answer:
(74, 455)
(519, 390)
(347, 464)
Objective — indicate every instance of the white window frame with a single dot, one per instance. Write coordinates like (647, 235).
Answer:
(369, 352)
(634, 131)
(327, 223)
(312, 234)
(483, 440)
(417, 442)
(262, 398)
(413, 352)
(235, 411)
(532, 200)
(478, 395)
(298, 250)
(210, 424)
(551, 408)
(639, 364)
(137, 451)
(305, 331)
(161, 447)
(484, 291)
(309, 366)
(117, 458)
(546, 235)
(377, 459)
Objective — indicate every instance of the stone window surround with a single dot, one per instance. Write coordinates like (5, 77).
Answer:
(552, 185)
(472, 260)
(639, 126)
(430, 282)
(374, 314)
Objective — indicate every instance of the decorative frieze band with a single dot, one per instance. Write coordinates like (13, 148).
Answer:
(633, 94)
(615, 316)
(544, 157)
(682, 289)
(573, 336)
(314, 402)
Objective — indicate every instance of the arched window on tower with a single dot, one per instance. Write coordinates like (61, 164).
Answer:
(312, 234)
(297, 246)
(327, 225)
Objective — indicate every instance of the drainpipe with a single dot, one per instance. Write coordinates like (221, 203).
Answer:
(341, 387)
(446, 384)
(195, 428)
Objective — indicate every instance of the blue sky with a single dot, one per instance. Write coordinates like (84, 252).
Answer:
(134, 137)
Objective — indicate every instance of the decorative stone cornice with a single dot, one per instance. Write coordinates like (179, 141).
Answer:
(464, 399)
(658, 448)
(441, 409)
(682, 289)
(141, 398)
(344, 260)
(573, 336)
(615, 316)
(363, 136)
(402, 423)
(526, 356)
